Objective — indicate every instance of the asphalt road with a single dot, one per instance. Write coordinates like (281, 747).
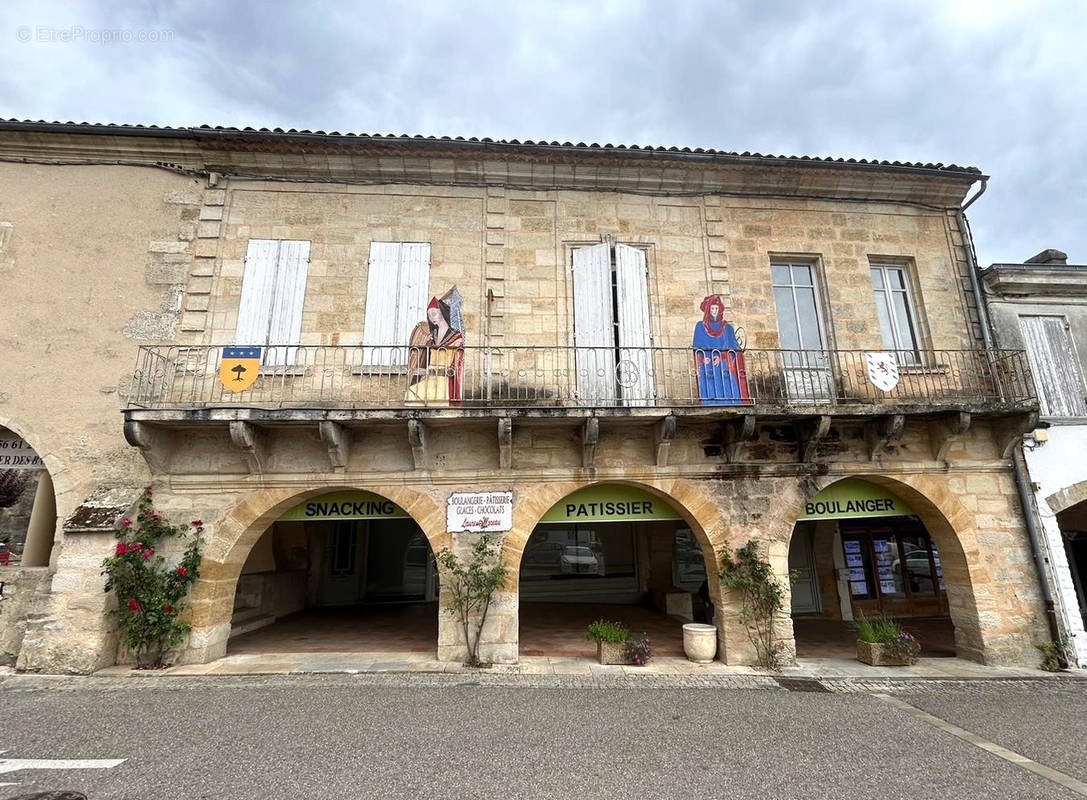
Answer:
(348, 737)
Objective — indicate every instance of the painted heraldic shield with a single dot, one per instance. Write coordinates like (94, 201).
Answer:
(882, 370)
(239, 367)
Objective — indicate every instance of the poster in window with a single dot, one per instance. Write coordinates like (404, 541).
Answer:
(436, 354)
(856, 574)
(854, 560)
(858, 588)
(852, 547)
(719, 357)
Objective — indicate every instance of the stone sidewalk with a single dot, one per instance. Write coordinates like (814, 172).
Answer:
(384, 662)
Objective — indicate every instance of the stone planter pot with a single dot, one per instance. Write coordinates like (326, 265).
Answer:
(611, 652)
(700, 642)
(879, 655)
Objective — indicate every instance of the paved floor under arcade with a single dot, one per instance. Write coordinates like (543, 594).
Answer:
(554, 630)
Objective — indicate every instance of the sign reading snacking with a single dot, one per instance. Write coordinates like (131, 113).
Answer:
(344, 505)
(610, 503)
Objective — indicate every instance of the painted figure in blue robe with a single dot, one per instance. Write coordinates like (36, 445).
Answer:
(718, 359)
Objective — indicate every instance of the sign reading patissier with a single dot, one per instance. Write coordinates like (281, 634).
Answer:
(610, 503)
(854, 498)
(344, 505)
(479, 512)
(15, 453)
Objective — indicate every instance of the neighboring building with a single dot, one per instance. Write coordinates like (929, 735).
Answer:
(632, 358)
(1041, 306)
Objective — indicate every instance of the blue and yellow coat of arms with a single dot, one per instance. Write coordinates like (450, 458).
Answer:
(239, 367)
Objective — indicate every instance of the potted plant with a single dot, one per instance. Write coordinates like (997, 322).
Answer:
(881, 642)
(610, 638)
(636, 649)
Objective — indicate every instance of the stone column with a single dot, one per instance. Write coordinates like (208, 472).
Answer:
(42, 527)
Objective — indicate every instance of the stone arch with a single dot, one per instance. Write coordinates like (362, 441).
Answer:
(1065, 498)
(55, 499)
(235, 534)
(692, 503)
(953, 529)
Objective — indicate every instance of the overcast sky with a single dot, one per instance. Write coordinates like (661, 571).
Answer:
(996, 84)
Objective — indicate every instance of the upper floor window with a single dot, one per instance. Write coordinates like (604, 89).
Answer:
(897, 315)
(273, 291)
(1055, 366)
(611, 324)
(397, 282)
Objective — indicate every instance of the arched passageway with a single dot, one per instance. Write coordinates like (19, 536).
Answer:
(860, 549)
(348, 571)
(613, 551)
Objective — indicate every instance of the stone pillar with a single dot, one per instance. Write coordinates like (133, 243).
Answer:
(42, 527)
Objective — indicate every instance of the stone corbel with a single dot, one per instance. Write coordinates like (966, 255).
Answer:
(248, 438)
(505, 443)
(337, 437)
(737, 433)
(417, 440)
(880, 432)
(154, 444)
(948, 431)
(809, 433)
(1009, 431)
(663, 434)
(590, 435)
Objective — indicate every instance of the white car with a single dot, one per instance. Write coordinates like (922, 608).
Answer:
(581, 560)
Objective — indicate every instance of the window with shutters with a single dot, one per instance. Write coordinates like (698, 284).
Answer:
(1054, 365)
(897, 314)
(273, 291)
(397, 282)
(612, 338)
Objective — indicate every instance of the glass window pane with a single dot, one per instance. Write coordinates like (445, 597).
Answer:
(918, 567)
(688, 566)
(877, 277)
(396, 561)
(801, 275)
(888, 568)
(884, 312)
(781, 274)
(896, 278)
(906, 338)
(810, 335)
(858, 563)
(786, 310)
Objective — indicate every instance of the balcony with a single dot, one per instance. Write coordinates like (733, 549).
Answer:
(549, 380)
(339, 388)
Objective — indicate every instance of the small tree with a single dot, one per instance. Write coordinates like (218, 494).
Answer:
(150, 593)
(763, 596)
(470, 586)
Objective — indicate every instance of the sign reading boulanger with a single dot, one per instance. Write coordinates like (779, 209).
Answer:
(344, 505)
(15, 453)
(479, 512)
(854, 498)
(610, 503)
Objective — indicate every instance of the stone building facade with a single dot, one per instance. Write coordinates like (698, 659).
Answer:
(1041, 306)
(580, 272)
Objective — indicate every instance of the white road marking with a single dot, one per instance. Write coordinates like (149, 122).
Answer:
(13, 764)
(1020, 760)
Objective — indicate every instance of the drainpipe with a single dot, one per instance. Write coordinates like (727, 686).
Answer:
(1022, 484)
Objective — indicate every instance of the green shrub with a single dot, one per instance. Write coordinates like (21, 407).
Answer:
(881, 630)
(606, 631)
(1053, 657)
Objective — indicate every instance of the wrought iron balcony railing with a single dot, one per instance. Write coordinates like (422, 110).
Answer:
(395, 377)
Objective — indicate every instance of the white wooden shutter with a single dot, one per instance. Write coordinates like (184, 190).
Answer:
(1053, 362)
(635, 338)
(258, 293)
(414, 289)
(285, 325)
(594, 323)
(382, 288)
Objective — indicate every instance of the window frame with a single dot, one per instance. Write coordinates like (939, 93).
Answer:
(379, 357)
(918, 349)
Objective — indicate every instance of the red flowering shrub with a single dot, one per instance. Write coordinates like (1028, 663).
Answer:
(150, 592)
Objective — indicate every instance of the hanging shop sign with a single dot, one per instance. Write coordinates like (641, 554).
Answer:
(479, 512)
(239, 368)
(344, 505)
(610, 503)
(854, 498)
(15, 453)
